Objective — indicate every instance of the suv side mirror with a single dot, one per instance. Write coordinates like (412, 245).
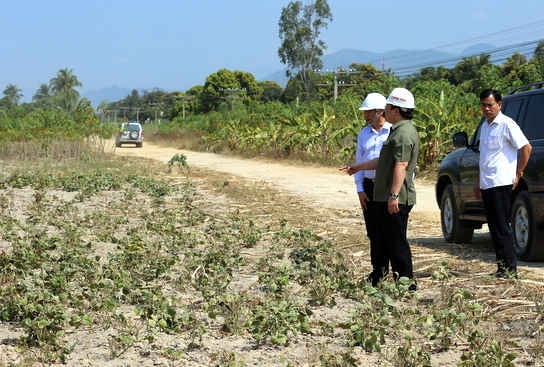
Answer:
(460, 139)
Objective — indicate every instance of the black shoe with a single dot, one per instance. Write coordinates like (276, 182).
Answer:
(506, 274)
(376, 276)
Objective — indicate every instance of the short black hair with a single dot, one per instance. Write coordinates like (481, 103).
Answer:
(406, 113)
(491, 92)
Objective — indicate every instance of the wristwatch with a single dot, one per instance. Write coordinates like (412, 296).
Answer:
(394, 196)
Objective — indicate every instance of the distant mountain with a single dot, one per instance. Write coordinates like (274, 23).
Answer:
(110, 94)
(402, 62)
(345, 57)
(477, 49)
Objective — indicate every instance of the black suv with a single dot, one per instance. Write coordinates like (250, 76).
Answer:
(461, 211)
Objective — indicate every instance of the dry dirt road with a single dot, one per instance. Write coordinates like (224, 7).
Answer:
(322, 186)
(328, 188)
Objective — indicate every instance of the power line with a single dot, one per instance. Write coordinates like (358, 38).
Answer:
(505, 35)
(500, 53)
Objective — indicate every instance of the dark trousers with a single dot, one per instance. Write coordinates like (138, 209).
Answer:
(498, 210)
(392, 237)
(378, 256)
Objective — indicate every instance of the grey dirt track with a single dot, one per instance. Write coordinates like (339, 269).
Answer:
(321, 186)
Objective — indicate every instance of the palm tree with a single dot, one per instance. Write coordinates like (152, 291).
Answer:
(12, 94)
(42, 93)
(63, 86)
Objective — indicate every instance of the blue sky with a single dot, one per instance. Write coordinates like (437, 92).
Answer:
(173, 45)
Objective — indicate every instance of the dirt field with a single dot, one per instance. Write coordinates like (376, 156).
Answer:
(322, 200)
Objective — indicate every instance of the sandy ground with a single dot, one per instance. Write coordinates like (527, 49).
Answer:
(321, 186)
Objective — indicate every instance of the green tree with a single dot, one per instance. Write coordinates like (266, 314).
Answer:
(366, 79)
(12, 95)
(300, 27)
(195, 92)
(226, 86)
(428, 74)
(293, 90)
(539, 58)
(468, 68)
(487, 76)
(247, 83)
(63, 87)
(271, 91)
(42, 93)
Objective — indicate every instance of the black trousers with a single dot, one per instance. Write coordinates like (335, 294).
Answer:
(378, 255)
(392, 230)
(498, 210)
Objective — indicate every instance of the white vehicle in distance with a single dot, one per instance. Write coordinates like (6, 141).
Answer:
(130, 133)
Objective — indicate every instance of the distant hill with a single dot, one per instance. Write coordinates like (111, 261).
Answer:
(401, 61)
(477, 49)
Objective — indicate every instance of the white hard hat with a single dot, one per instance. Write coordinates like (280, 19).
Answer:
(373, 101)
(401, 97)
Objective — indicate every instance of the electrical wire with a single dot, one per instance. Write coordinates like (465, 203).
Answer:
(507, 35)
(496, 56)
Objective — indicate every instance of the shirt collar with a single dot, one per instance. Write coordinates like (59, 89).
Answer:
(498, 119)
(386, 127)
(400, 123)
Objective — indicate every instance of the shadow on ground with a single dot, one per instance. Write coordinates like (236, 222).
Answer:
(481, 249)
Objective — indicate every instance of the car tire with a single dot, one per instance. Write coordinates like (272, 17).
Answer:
(453, 229)
(133, 135)
(139, 145)
(523, 228)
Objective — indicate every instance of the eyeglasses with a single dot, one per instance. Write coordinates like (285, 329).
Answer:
(489, 105)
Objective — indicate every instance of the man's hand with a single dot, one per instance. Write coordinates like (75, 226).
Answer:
(363, 199)
(516, 180)
(348, 169)
(393, 206)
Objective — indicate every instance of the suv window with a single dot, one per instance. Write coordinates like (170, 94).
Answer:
(533, 124)
(512, 108)
(132, 127)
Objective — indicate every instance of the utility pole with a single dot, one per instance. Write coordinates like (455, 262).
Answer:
(138, 114)
(231, 95)
(338, 83)
(184, 99)
(124, 109)
(155, 106)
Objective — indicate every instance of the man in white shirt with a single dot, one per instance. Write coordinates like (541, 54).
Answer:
(500, 170)
(369, 144)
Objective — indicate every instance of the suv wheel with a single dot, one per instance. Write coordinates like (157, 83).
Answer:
(453, 228)
(523, 228)
(133, 135)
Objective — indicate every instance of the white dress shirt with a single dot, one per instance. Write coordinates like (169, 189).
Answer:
(500, 141)
(369, 144)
